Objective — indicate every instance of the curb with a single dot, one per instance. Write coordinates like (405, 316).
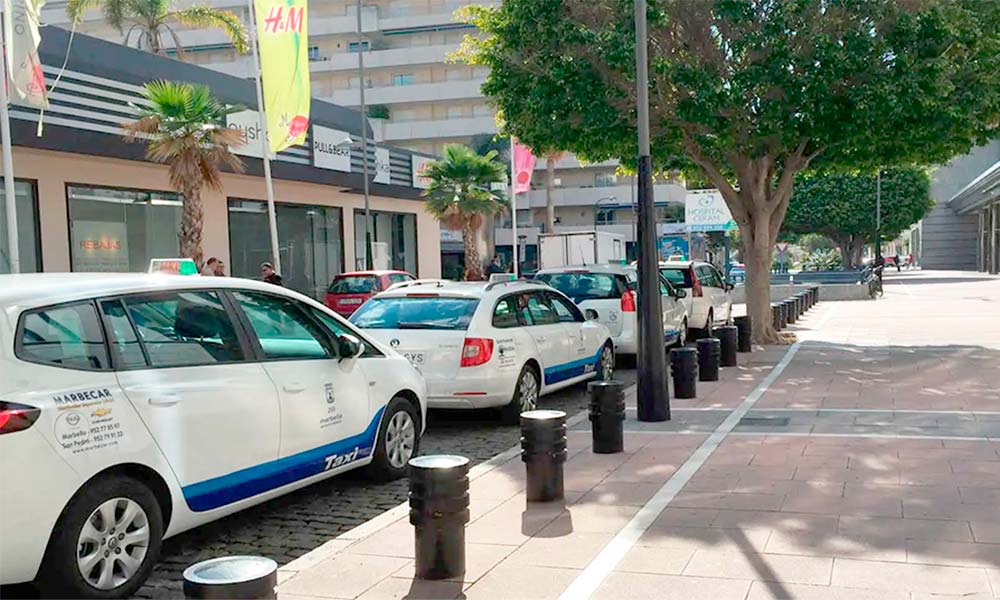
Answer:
(370, 527)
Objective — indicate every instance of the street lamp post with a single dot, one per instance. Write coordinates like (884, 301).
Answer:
(369, 259)
(653, 400)
(878, 215)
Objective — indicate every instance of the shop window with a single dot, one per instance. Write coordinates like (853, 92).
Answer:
(28, 238)
(310, 237)
(116, 230)
(394, 240)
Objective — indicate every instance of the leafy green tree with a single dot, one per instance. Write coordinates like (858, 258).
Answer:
(459, 196)
(747, 93)
(185, 127)
(148, 20)
(842, 207)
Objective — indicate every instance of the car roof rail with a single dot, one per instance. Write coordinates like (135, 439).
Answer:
(494, 284)
(417, 282)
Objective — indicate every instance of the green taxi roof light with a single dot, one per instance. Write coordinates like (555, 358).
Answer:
(173, 266)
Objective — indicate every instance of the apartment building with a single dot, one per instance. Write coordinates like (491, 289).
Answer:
(419, 100)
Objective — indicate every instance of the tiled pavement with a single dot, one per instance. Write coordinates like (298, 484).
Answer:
(883, 482)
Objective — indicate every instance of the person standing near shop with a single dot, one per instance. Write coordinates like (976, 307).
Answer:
(220, 269)
(269, 275)
(209, 268)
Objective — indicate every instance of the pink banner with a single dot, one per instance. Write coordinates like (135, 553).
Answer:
(524, 164)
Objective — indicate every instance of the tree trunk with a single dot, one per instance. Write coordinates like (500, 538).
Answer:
(844, 245)
(858, 251)
(758, 242)
(192, 221)
(550, 203)
(473, 264)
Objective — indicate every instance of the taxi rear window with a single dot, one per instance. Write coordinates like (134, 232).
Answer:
(354, 284)
(409, 312)
(678, 276)
(582, 286)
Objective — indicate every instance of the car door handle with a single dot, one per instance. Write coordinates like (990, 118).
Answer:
(164, 400)
(293, 388)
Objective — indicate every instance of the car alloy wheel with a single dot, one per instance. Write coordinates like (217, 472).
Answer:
(528, 388)
(400, 439)
(113, 543)
(607, 364)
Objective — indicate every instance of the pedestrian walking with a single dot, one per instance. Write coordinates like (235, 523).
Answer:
(269, 275)
(208, 269)
(495, 266)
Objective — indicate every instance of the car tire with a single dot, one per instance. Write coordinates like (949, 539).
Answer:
(706, 332)
(606, 363)
(397, 442)
(523, 398)
(83, 525)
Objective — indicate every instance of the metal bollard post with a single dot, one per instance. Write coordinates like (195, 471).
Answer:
(804, 300)
(783, 313)
(543, 450)
(709, 351)
(684, 367)
(790, 311)
(727, 335)
(607, 416)
(253, 577)
(776, 316)
(439, 510)
(743, 331)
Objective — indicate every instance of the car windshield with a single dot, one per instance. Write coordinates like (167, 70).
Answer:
(679, 277)
(581, 286)
(354, 284)
(409, 312)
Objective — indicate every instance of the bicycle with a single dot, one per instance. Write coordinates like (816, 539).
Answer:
(873, 279)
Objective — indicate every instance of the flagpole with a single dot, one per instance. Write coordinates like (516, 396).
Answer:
(266, 150)
(513, 212)
(8, 167)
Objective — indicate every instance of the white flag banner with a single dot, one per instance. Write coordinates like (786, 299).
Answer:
(24, 68)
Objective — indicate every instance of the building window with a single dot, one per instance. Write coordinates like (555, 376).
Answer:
(456, 112)
(365, 46)
(394, 240)
(402, 79)
(116, 230)
(606, 216)
(314, 53)
(605, 180)
(28, 238)
(311, 243)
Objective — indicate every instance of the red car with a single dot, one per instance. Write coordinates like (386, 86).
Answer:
(348, 291)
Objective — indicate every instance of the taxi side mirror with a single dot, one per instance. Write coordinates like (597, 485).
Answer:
(679, 293)
(349, 347)
(590, 314)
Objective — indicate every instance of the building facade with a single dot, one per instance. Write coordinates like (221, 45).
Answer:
(89, 201)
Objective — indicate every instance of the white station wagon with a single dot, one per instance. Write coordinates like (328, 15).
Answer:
(134, 407)
(480, 345)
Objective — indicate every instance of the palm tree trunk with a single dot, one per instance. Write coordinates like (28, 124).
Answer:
(192, 222)
(473, 264)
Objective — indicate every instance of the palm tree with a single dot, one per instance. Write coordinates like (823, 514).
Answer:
(185, 127)
(149, 19)
(459, 195)
(550, 183)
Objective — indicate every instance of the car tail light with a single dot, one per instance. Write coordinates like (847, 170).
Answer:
(16, 417)
(696, 290)
(476, 351)
(628, 301)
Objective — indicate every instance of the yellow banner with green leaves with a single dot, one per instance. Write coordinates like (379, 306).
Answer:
(283, 37)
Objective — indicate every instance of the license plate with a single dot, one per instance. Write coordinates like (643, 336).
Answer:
(351, 301)
(416, 358)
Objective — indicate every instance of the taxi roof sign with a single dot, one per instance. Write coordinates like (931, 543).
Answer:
(173, 266)
(502, 277)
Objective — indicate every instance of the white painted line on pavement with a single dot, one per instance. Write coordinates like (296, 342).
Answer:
(601, 566)
(902, 411)
(874, 436)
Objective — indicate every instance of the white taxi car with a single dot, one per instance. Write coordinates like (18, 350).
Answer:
(134, 407)
(709, 302)
(610, 291)
(480, 345)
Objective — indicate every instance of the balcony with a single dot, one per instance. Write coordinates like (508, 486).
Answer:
(392, 57)
(444, 128)
(421, 92)
(619, 195)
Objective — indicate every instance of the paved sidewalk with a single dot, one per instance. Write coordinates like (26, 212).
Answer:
(864, 465)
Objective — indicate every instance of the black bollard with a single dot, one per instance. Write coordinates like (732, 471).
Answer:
(684, 367)
(743, 331)
(439, 510)
(607, 416)
(543, 450)
(252, 577)
(776, 316)
(790, 314)
(709, 351)
(783, 313)
(727, 335)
